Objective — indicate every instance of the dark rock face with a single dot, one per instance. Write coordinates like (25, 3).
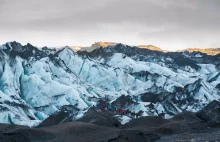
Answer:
(211, 113)
(25, 52)
(55, 119)
(123, 102)
(218, 86)
(103, 119)
(151, 97)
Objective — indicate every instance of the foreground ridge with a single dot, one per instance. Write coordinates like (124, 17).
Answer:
(186, 126)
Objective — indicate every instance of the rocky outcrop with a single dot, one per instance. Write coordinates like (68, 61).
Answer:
(211, 113)
(104, 118)
(55, 119)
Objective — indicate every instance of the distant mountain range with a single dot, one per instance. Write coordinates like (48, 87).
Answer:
(208, 51)
(105, 44)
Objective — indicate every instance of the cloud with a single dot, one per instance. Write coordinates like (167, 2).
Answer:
(169, 24)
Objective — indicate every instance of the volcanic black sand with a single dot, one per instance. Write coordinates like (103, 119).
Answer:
(102, 127)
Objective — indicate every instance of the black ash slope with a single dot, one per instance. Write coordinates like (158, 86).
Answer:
(185, 126)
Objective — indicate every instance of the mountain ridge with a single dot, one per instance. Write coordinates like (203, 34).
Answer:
(96, 45)
(208, 51)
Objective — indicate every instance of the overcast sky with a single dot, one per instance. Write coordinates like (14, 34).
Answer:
(169, 24)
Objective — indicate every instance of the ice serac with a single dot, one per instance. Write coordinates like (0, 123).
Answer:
(36, 83)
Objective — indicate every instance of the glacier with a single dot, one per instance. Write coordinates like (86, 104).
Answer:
(37, 82)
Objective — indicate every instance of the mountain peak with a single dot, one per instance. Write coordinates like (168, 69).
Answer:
(97, 45)
(150, 47)
(12, 44)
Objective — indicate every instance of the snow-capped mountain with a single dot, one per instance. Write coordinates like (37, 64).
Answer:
(35, 83)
